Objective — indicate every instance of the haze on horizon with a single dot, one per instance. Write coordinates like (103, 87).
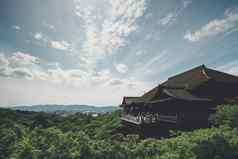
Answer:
(95, 52)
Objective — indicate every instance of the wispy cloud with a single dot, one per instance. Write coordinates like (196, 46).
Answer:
(130, 84)
(121, 68)
(38, 36)
(107, 31)
(161, 58)
(171, 17)
(60, 45)
(230, 67)
(16, 27)
(159, 63)
(140, 52)
(49, 26)
(215, 27)
(115, 82)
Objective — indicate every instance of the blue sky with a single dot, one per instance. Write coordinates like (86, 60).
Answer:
(96, 52)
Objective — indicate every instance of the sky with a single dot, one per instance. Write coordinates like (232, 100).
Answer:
(97, 51)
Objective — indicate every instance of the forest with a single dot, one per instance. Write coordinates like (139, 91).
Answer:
(31, 135)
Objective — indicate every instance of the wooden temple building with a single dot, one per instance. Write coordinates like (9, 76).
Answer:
(183, 101)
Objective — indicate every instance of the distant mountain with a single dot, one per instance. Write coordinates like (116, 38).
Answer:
(67, 108)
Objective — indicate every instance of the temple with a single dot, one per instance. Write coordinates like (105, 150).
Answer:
(184, 100)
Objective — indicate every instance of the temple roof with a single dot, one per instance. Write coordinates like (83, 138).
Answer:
(130, 100)
(183, 95)
(189, 79)
(221, 76)
(195, 77)
(182, 85)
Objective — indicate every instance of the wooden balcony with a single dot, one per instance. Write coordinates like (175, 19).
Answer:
(149, 119)
(131, 119)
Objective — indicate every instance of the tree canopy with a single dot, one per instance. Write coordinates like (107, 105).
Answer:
(29, 135)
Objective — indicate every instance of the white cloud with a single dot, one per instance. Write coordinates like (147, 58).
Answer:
(72, 76)
(140, 52)
(38, 36)
(21, 75)
(50, 26)
(23, 92)
(126, 83)
(16, 27)
(156, 64)
(115, 82)
(121, 68)
(19, 65)
(230, 67)
(3, 65)
(3, 61)
(60, 45)
(23, 65)
(215, 27)
(161, 57)
(129, 84)
(171, 17)
(107, 24)
(20, 59)
(95, 80)
(101, 76)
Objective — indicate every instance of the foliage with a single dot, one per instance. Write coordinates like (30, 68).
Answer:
(226, 115)
(25, 135)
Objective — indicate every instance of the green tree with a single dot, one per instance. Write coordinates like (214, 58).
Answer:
(226, 115)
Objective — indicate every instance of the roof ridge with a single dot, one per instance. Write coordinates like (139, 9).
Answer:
(205, 73)
(222, 72)
(190, 70)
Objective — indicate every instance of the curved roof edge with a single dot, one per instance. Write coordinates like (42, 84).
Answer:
(183, 94)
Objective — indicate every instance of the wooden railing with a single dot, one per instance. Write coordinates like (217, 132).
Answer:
(167, 118)
(148, 119)
(131, 119)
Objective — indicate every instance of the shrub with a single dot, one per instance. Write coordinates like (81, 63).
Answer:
(226, 115)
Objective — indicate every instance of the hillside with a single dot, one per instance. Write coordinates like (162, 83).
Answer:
(67, 108)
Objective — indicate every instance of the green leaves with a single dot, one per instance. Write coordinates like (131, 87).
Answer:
(226, 115)
(82, 136)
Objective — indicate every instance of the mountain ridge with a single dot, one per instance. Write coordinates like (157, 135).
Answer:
(51, 108)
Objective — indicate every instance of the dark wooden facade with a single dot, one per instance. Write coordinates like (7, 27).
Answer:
(185, 99)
